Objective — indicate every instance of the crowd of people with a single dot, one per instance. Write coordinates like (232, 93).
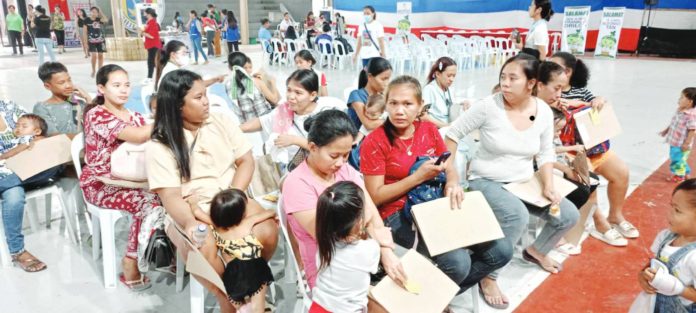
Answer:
(349, 170)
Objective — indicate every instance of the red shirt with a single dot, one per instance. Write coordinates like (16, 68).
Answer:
(153, 29)
(379, 157)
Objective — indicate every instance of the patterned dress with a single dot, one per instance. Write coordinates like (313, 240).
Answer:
(101, 139)
(10, 112)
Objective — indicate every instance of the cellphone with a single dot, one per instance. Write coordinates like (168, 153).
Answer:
(516, 35)
(443, 158)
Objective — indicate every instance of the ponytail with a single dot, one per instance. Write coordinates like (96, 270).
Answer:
(98, 100)
(581, 74)
(375, 67)
(362, 80)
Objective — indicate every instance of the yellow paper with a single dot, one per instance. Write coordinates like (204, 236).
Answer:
(413, 287)
(594, 117)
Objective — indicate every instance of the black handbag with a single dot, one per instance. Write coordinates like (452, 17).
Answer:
(160, 250)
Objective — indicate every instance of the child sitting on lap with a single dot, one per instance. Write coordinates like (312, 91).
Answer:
(29, 128)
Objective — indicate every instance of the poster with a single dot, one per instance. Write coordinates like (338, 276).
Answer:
(129, 13)
(575, 21)
(403, 11)
(610, 31)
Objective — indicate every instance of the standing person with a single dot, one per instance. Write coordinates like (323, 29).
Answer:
(310, 28)
(93, 30)
(174, 56)
(15, 29)
(43, 34)
(209, 27)
(680, 135)
(58, 27)
(340, 25)
(178, 22)
(30, 26)
(195, 27)
(537, 40)
(231, 32)
(370, 37)
(81, 17)
(107, 125)
(214, 14)
(153, 44)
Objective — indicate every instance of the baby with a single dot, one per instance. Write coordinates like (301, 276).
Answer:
(29, 127)
(374, 109)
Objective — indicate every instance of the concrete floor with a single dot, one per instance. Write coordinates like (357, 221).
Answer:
(644, 92)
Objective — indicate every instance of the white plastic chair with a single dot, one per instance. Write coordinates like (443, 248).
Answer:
(341, 53)
(290, 260)
(326, 50)
(279, 54)
(103, 222)
(350, 32)
(291, 45)
(145, 94)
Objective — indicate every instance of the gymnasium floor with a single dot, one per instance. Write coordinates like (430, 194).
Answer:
(644, 92)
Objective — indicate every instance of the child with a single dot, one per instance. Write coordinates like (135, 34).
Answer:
(29, 128)
(346, 257)
(680, 135)
(63, 110)
(153, 108)
(304, 60)
(671, 276)
(374, 109)
(246, 273)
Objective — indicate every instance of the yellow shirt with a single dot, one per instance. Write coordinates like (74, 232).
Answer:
(218, 144)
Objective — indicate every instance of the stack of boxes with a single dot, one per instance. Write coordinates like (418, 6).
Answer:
(125, 49)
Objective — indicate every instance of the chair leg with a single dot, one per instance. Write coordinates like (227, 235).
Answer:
(31, 213)
(96, 236)
(67, 217)
(5, 258)
(180, 268)
(48, 208)
(197, 296)
(108, 249)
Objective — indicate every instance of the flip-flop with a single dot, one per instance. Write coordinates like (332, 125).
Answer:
(136, 285)
(503, 306)
(529, 258)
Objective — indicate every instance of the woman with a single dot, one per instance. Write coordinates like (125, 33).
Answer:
(304, 60)
(340, 25)
(537, 41)
(195, 27)
(255, 94)
(437, 94)
(81, 17)
(370, 37)
(94, 32)
(330, 137)
(613, 229)
(515, 128)
(15, 29)
(309, 26)
(373, 80)
(43, 34)
(152, 41)
(386, 157)
(178, 22)
(193, 155)
(231, 33)
(108, 124)
(209, 27)
(31, 14)
(58, 27)
(174, 56)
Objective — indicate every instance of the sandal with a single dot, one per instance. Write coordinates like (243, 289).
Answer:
(30, 265)
(136, 285)
(496, 306)
(529, 258)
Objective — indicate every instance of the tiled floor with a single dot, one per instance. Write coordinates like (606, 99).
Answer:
(643, 91)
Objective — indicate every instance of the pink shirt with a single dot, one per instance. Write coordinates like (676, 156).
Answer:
(301, 191)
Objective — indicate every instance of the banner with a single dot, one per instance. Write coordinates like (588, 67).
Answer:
(575, 29)
(610, 31)
(403, 10)
(130, 14)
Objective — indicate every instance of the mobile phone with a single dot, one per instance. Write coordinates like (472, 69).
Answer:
(516, 35)
(443, 158)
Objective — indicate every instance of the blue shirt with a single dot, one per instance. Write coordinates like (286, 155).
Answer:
(193, 30)
(358, 95)
(264, 34)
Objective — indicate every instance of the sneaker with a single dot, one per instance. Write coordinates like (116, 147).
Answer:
(611, 237)
(626, 229)
(569, 249)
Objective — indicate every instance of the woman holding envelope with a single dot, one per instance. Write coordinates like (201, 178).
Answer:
(515, 128)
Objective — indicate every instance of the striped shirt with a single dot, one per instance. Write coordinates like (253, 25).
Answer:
(10, 113)
(576, 93)
(682, 123)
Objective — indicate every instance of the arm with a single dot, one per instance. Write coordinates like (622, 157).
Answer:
(251, 126)
(136, 135)
(435, 121)
(689, 293)
(382, 52)
(359, 108)
(565, 169)
(689, 139)
(285, 140)
(382, 193)
(575, 148)
(178, 208)
(542, 52)
(358, 46)
(259, 217)
(323, 91)
(217, 79)
(244, 171)
(268, 90)
(14, 151)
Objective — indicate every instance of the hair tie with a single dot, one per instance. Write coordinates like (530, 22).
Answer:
(439, 66)
(332, 195)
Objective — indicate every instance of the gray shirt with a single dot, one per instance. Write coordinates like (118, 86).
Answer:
(62, 118)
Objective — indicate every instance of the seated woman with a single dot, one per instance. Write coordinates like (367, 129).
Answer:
(614, 229)
(255, 94)
(193, 156)
(515, 128)
(304, 60)
(331, 136)
(108, 124)
(173, 56)
(373, 80)
(437, 94)
(386, 157)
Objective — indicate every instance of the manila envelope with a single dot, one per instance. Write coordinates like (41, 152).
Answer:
(124, 183)
(445, 229)
(597, 127)
(198, 265)
(437, 290)
(45, 154)
(532, 191)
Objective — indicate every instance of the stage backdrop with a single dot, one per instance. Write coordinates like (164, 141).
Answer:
(510, 14)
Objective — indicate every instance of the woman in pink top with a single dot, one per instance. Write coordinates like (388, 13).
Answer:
(331, 136)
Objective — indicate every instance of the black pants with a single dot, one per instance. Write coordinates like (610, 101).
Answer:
(580, 195)
(60, 37)
(151, 55)
(210, 37)
(16, 40)
(232, 44)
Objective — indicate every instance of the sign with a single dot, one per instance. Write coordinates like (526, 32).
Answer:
(131, 12)
(575, 29)
(403, 10)
(610, 31)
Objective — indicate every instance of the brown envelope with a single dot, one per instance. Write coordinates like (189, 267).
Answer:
(601, 128)
(45, 154)
(532, 191)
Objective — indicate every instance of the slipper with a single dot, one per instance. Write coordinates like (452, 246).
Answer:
(503, 306)
(136, 285)
(30, 265)
(529, 258)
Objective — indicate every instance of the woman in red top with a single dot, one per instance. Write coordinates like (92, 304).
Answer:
(152, 41)
(386, 157)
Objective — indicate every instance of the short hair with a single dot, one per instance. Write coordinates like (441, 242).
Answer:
(39, 122)
(326, 28)
(376, 100)
(690, 93)
(11, 6)
(210, 5)
(47, 70)
(264, 21)
(227, 208)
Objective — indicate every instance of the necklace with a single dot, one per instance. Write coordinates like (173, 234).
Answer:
(408, 148)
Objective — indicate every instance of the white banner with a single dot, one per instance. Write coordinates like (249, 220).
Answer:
(610, 31)
(403, 10)
(575, 29)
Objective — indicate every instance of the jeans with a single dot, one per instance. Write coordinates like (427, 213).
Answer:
(16, 40)
(513, 216)
(678, 165)
(13, 200)
(47, 44)
(196, 41)
(210, 37)
(465, 266)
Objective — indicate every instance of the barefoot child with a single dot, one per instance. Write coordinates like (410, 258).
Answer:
(680, 135)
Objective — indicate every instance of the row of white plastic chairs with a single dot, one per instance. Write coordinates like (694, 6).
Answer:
(331, 53)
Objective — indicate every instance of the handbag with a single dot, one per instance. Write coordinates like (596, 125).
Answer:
(266, 176)
(297, 159)
(160, 250)
(426, 191)
(128, 162)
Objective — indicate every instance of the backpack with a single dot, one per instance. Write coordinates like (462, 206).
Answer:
(349, 48)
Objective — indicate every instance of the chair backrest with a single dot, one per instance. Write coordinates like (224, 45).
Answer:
(145, 94)
(283, 221)
(76, 147)
(339, 49)
(291, 44)
(277, 44)
(325, 46)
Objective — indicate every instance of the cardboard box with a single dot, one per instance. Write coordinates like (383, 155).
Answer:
(45, 154)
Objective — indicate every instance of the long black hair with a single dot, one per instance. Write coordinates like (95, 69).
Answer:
(440, 66)
(581, 74)
(546, 10)
(168, 129)
(327, 126)
(239, 59)
(339, 208)
(375, 67)
(231, 20)
(173, 46)
(412, 82)
(102, 79)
